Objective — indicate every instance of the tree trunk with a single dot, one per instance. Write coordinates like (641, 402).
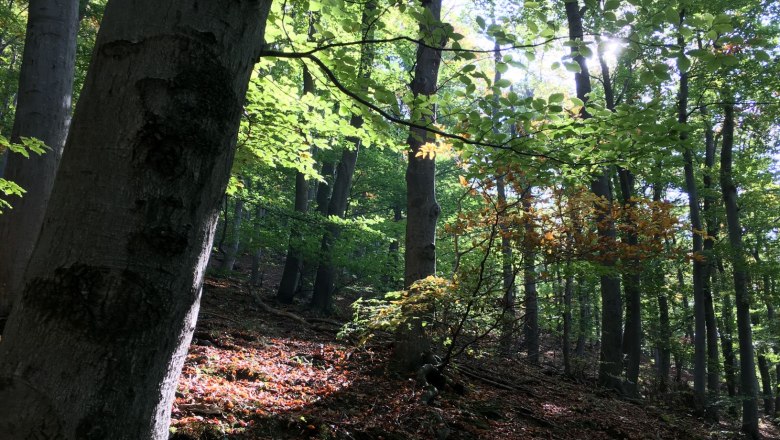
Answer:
(42, 112)
(632, 337)
(508, 313)
(95, 344)
(610, 358)
(567, 291)
(530, 294)
(422, 210)
(713, 358)
(231, 251)
(747, 369)
(699, 337)
(766, 383)
(326, 271)
(583, 303)
(665, 331)
(726, 335)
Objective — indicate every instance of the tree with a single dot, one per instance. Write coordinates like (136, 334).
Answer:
(97, 339)
(42, 112)
(748, 384)
(610, 362)
(421, 206)
(337, 205)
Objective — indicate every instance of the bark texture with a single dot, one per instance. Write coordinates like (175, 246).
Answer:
(95, 344)
(43, 112)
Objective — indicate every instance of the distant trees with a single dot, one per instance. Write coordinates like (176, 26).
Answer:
(43, 107)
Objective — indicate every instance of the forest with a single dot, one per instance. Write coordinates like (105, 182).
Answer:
(389, 219)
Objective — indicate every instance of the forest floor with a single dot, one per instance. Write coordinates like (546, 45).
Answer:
(255, 373)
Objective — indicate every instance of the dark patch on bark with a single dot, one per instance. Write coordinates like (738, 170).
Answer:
(102, 304)
(119, 49)
(90, 427)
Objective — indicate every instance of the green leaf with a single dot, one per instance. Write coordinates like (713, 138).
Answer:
(555, 97)
(480, 22)
(503, 83)
(572, 66)
(502, 67)
(683, 63)
(611, 4)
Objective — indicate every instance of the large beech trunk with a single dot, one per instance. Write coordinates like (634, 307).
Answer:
(43, 112)
(422, 209)
(95, 344)
(748, 385)
(611, 356)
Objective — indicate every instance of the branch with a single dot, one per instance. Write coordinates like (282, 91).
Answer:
(341, 87)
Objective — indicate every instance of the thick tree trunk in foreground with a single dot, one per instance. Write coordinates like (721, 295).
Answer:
(748, 385)
(43, 112)
(95, 344)
(422, 209)
(611, 356)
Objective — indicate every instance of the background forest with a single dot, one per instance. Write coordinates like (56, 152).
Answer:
(591, 186)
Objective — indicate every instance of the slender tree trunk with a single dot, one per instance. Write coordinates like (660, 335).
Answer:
(713, 358)
(42, 112)
(293, 264)
(726, 337)
(665, 331)
(610, 362)
(583, 302)
(567, 293)
(766, 383)
(231, 251)
(699, 337)
(326, 272)
(422, 209)
(747, 369)
(530, 294)
(96, 342)
(508, 314)
(632, 337)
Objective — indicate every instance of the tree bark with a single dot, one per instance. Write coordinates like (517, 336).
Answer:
(747, 368)
(610, 357)
(96, 342)
(422, 209)
(43, 112)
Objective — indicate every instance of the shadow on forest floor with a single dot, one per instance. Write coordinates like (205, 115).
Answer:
(251, 374)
